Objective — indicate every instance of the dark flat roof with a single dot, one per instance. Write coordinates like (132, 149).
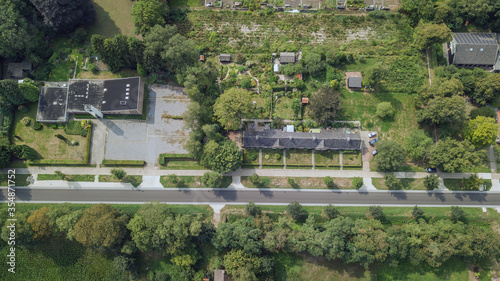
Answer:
(105, 95)
(326, 140)
(52, 104)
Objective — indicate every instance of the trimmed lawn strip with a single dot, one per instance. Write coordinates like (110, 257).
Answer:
(351, 159)
(300, 183)
(298, 157)
(182, 165)
(191, 182)
(20, 180)
(134, 180)
(326, 158)
(457, 184)
(49, 177)
(408, 184)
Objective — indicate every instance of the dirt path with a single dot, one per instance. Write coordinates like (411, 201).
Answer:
(256, 80)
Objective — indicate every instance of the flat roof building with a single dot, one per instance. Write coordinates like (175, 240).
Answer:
(287, 57)
(225, 58)
(354, 82)
(110, 96)
(52, 104)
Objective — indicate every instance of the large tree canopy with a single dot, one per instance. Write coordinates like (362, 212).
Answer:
(325, 105)
(427, 34)
(453, 155)
(65, 15)
(443, 110)
(390, 156)
(100, 226)
(148, 13)
(482, 130)
(221, 157)
(233, 105)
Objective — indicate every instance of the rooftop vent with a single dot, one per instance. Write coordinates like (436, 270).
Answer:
(123, 103)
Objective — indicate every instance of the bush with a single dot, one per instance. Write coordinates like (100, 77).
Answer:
(357, 182)
(294, 210)
(267, 156)
(212, 180)
(60, 175)
(118, 173)
(329, 181)
(331, 212)
(253, 156)
(22, 108)
(385, 109)
(36, 126)
(61, 137)
(246, 83)
(123, 162)
(482, 111)
(252, 210)
(256, 180)
(457, 214)
(173, 179)
(392, 182)
(93, 68)
(417, 213)
(26, 121)
(431, 182)
(376, 212)
(277, 156)
(53, 126)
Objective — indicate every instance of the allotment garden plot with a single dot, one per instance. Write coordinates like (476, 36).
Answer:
(162, 132)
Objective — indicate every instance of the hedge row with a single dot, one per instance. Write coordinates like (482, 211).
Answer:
(123, 162)
(174, 156)
(88, 140)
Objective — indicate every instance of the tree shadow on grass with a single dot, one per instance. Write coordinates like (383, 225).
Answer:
(62, 251)
(103, 24)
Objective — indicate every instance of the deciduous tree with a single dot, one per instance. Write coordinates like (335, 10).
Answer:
(325, 105)
(222, 157)
(428, 34)
(233, 105)
(418, 145)
(65, 16)
(453, 155)
(211, 180)
(148, 13)
(40, 223)
(390, 156)
(481, 131)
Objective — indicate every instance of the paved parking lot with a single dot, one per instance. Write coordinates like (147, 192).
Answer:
(145, 140)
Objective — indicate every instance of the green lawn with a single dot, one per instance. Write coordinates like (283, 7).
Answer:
(47, 177)
(113, 17)
(457, 184)
(363, 106)
(134, 180)
(351, 159)
(182, 165)
(296, 157)
(185, 3)
(299, 182)
(44, 141)
(272, 157)
(251, 157)
(326, 158)
(19, 180)
(408, 184)
(358, 66)
(283, 109)
(190, 182)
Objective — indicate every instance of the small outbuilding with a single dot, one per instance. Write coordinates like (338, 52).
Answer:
(225, 58)
(354, 82)
(305, 100)
(287, 57)
(276, 67)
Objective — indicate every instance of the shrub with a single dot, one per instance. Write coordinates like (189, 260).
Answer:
(212, 180)
(93, 68)
(267, 156)
(417, 213)
(36, 126)
(22, 108)
(173, 178)
(329, 181)
(106, 162)
(376, 212)
(330, 212)
(61, 137)
(118, 173)
(252, 210)
(357, 182)
(75, 143)
(277, 156)
(457, 213)
(26, 121)
(53, 126)
(60, 175)
(392, 182)
(294, 210)
(246, 83)
(253, 156)
(431, 182)
(385, 109)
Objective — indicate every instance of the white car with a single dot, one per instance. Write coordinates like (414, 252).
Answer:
(374, 152)
(372, 134)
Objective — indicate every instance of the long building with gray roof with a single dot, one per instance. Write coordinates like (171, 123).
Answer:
(278, 139)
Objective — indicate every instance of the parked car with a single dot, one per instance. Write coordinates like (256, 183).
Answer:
(373, 141)
(370, 8)
(374, 152)
(288, 5)
(210, 4)
(385, 8)
(372, 134)
(430, 170)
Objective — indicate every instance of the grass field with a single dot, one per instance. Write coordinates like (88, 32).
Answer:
(410, 184)
(185, 3)
(113, 17)
(19, 180)
(457, 184)
(134, 180)
(44, 141)
(251, 157)
(299, 182)
(284, 108)
(363, 106)
(326, 158)
(190, 182)
(107, 74)
(298, 157)
(272, 157)
(48, 177)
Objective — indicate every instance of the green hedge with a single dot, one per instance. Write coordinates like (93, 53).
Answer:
(123, 162)
(174, 156)
(88, 140)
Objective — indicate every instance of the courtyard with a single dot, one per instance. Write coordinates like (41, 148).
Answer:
(161, 132)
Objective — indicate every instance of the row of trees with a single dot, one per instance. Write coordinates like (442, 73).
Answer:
(245, 244)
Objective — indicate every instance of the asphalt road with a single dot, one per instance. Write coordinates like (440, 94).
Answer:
(266, 196)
